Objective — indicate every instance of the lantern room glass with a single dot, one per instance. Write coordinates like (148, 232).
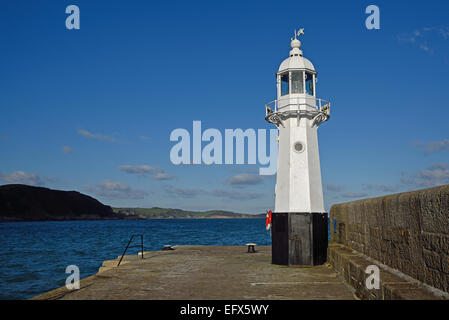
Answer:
(284, 84)
(309, 83)
(297, 82)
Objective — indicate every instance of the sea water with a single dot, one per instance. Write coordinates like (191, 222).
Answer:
(34, 255)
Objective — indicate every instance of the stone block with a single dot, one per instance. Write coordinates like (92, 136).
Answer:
(434, 278)
(436, 242)
(445, 263)
(435, 209)
(432, 260)
(407, 291)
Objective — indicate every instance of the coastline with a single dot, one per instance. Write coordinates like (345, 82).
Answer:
(127, 219)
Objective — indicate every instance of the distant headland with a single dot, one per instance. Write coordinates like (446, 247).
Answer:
(167, 213)
(28, 203)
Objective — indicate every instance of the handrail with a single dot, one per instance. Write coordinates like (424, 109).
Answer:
(129, 242)
(321, 104)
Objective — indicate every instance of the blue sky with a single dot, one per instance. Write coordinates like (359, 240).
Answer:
(92, 109)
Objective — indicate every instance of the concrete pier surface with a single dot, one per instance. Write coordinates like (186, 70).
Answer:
(206, 272)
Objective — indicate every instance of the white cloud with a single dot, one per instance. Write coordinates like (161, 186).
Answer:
(192, 192)
(144, 170)
(115, 190)
(162, 176)
(354, 194)
(421, 37)
(410, 37)
(67, 149)
(185, 192)
(235, 195)
(244, 179)
(334, 187)
(95, 136)
(425, 47)
(144, 138)
(21, 177)
(141, 170)
(444, 31)
(432, 146)
(434, 175)
(380, 187)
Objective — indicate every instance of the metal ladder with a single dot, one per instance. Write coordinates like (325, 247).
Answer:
(129, 242)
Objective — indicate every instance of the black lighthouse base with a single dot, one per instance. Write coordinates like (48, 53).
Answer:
(299, 238)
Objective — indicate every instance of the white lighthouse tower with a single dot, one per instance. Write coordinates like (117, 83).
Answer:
(299, 234)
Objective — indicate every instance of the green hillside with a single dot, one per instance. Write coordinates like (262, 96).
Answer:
(167, 213)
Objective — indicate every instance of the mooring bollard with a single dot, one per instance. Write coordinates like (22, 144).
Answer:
(251, 247)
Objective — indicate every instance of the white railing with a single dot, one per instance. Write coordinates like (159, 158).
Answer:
(321, 104)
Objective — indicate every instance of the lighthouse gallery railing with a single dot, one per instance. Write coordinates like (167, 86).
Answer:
(321, 104)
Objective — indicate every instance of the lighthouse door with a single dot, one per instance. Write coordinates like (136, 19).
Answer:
(300, 244)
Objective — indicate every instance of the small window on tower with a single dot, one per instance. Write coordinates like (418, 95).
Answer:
(298, 147)
(309, 83)
(297, 82)
(284, 84)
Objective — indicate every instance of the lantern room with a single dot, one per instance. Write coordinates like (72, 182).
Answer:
(296, 74)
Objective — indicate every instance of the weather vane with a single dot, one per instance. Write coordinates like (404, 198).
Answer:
(300, 32)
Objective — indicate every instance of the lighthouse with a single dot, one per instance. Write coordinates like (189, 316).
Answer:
(299, 221)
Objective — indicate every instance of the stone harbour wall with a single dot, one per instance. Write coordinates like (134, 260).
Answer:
(407, 231)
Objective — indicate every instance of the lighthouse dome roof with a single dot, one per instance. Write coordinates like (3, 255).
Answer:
(296, 59)
(296, 62)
